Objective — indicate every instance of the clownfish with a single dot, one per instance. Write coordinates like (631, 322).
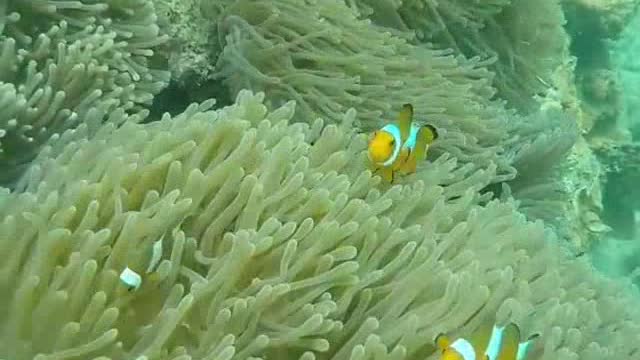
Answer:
(486, 343)
(400, 146)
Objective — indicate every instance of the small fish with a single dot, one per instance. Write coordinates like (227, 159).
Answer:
(487, 343)
(400, 146)
(132, 280)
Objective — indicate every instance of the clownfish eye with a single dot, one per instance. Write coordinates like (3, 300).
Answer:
(392, 142)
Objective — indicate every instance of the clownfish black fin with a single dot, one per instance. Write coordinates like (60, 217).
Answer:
(434, 132)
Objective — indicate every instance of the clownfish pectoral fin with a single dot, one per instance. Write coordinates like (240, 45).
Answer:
(386, 173)
(442, 342)
(523, 348)
(510, 343)
(410, 165)
(426, 135)
(404, 121)
(401, 161)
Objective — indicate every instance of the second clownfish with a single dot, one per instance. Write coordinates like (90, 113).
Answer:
(399, 146)
(487, 343)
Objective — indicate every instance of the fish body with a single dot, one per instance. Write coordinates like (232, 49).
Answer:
(400, 146)
(487, 343)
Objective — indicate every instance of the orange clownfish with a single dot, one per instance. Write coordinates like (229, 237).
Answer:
(487, 343)
(400, 146)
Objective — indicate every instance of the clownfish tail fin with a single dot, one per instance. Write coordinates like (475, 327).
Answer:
(426, 135)
(432, 133)
(405, 117)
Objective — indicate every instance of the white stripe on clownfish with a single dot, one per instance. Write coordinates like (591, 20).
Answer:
(523, 349)
(394, 131)
(412, 139)
(130, 278)
(464, 348)
(495, 343)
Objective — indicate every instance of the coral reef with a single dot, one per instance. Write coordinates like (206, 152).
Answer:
(622, 176)
(602, 104)
(605, 74)
(61, 59)
(606, 17)
(625, 60)
(277, 243)
(593, 26)
(191, 52)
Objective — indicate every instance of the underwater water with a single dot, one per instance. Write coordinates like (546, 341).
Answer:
(319, 179)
